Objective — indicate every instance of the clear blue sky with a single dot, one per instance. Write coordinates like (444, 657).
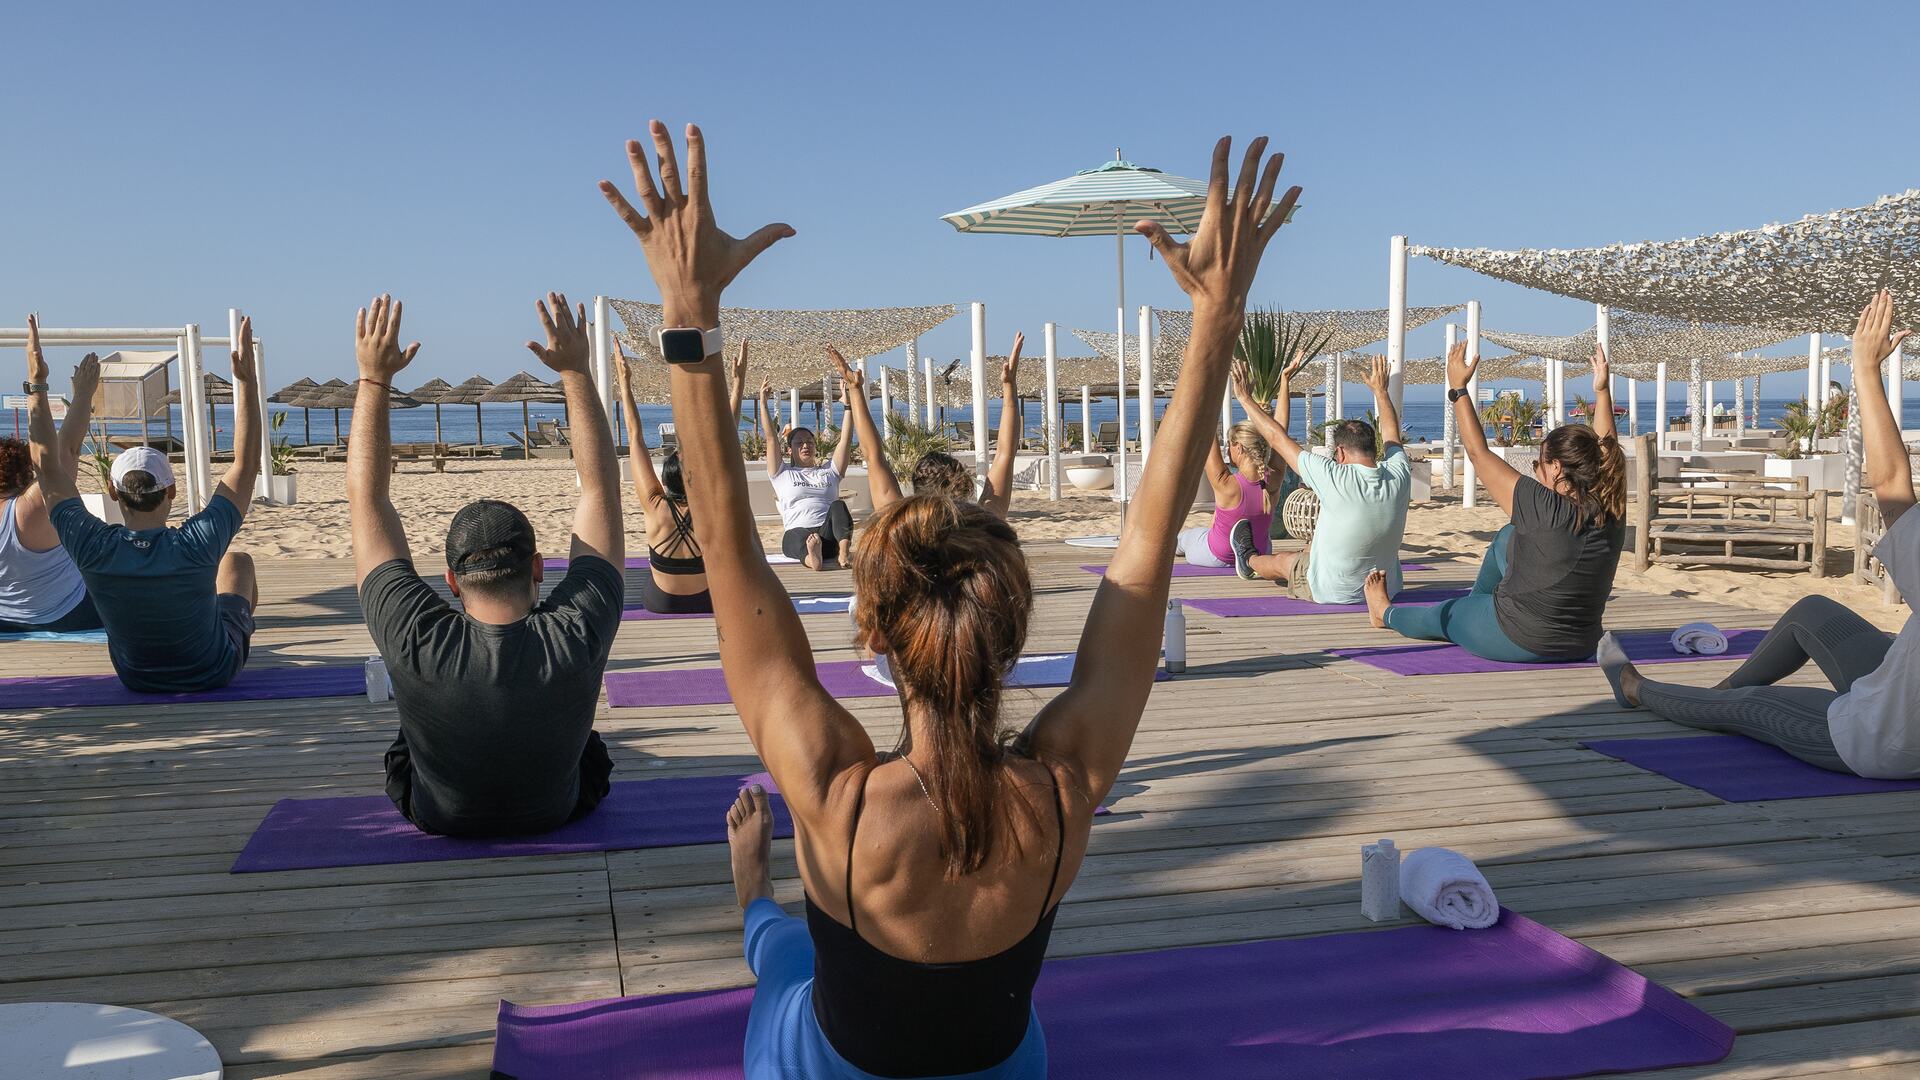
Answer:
(292, 160)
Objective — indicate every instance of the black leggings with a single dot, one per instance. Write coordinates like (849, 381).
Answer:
(1845, 646)
(661, 602)
(837, 527)
(82, 617)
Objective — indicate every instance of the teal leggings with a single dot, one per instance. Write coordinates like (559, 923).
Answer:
(1469, 621)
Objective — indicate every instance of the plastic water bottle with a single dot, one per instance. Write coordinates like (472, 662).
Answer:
(379, 683)
(1174, 638)
(1380, 881)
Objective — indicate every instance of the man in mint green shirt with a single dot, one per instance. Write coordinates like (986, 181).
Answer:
(1363, 499)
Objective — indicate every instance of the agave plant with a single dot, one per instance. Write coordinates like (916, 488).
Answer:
(1801, 428)
(909, 441)
(1270, 340)
(1513, 412)
(1833, 415)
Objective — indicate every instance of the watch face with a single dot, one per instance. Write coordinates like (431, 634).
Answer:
(683, 346)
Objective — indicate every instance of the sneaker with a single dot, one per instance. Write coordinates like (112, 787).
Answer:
(1243, 549)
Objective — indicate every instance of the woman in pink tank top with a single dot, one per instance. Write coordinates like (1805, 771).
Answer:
(1235, 499)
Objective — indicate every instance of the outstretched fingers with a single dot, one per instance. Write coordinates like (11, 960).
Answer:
(663, 155)
(1249, 174)
(696, 166)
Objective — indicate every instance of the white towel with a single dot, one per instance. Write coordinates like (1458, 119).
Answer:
(1446, 889)
(1703, 638)
(1047, 669)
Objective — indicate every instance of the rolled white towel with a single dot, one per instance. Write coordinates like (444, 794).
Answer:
(1446, 889)
(1703, 638)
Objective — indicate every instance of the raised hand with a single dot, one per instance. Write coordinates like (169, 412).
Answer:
(1602, 370)
(691, 259)
(1459, 370)
(621, 370)
(1871, 341)
(1376, 377)
(86, 377)
(740, 369)
(850, 376)
(376, 341)
(244, 370)
(1217, 266)
(1010, 370)
(567, 348)
(766, 387)
(37, 370)
(1242, 381)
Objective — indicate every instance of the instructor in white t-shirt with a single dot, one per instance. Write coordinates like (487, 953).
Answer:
(1869, 723)
(819, 528)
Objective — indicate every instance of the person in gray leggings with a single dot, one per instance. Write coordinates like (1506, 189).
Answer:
(1869, 723)
(1844, 646)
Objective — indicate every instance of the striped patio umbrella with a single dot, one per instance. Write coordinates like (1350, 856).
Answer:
(1103, 201)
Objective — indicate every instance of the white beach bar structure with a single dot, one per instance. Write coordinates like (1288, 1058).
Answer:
(196, 436)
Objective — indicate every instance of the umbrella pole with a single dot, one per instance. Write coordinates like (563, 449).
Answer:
(526, 430)
(1120, 358)
(479, 430)
(336, 427)
(436, 427)
(306, 420)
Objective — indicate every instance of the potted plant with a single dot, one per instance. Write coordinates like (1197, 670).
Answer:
(100, 504)
(282, 479)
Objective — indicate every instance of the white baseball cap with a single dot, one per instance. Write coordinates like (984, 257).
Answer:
(142, 459)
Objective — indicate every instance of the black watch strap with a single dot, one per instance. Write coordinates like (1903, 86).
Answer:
(1456, 394)
(33, 388)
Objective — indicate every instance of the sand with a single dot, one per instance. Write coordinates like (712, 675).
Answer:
(319, 526)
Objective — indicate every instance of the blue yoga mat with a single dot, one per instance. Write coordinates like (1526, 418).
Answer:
(1739, 769)
(71, 637)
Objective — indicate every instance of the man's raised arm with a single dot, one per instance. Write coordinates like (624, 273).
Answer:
(1376, 379)
(597, 528)
(378, 536)
(237, 484)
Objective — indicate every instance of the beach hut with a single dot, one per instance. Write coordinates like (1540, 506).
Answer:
(291, 395)
(525, 389)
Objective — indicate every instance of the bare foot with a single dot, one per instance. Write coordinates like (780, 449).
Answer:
(750, 840)
(1377, 599)
(813, 560)
(846, 554)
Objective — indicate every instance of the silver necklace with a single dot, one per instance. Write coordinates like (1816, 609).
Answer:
(922, 781)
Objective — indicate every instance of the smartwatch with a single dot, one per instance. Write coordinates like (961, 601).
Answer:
(33, 388)
(687, 345)
(1457, 393)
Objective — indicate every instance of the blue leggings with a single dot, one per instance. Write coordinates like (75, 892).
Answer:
(784, 1041)
(1469, 621)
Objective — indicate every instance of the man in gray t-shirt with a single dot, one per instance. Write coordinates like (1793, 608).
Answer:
(496, 699)
(1363, 498)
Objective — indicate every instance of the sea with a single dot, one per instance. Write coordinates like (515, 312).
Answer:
(458, 424)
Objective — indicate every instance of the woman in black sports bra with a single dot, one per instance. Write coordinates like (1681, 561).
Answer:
(931, 874)
(676, 578)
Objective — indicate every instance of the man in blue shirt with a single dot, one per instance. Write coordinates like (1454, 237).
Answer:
(177, 605)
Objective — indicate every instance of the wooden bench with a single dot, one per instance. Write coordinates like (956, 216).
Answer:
(434, 452)
(1737, 522)
(1872, 527)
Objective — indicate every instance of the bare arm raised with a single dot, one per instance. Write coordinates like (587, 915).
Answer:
(1492, 469)
(377, 534)
(998, 496)
(1272, 428)
(1602, 418)
(237, 484)
(646, 483)
(739, 380)
(882, 485)
(775, 434)
(55, 460)
(1090, 726)
(597, 528)
(1889, 472)
(805, 737)
(1376, 379)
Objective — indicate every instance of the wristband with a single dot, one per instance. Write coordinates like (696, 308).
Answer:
(388, 387)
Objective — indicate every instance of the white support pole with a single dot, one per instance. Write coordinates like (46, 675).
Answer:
(886, 405)
(1826, 379)
(1145, 335)
(1896, 387)
(926, 373)
(1469, 492)
(1708, 407)
(793, 413)
(1337, 408)
(603, 354)
(979, 370)
(1660, 407)
(1739, 407)
(913, 368)
(1696, 415)
(1448, 435)
(1120, 360)
(1328, 391)
(1813, 372)
(1397, 322)
(1086, 419)
(193, 421)
(1051, 429)
(1633, 407)
(1856, 454)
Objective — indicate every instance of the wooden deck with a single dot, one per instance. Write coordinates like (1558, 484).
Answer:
(1255, 779)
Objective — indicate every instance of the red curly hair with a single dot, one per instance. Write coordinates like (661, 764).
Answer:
(16, 467)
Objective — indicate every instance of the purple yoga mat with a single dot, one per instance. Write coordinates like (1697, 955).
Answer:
(1184, 569)
(1241, 607)
(633, 562)
(1424, 658)
(1513, 1002)
(1739, 769)
(708, 686)
(252, 684)
(301, 834)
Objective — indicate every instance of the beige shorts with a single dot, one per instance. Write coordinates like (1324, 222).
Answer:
(1296, 582)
